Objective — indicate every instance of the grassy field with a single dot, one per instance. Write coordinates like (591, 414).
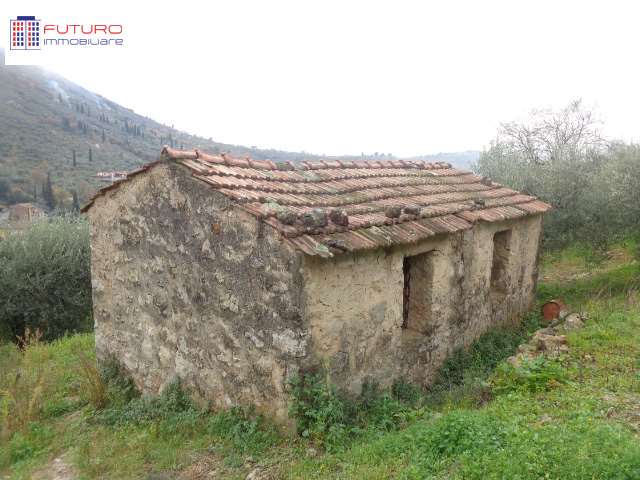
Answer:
(573, 418)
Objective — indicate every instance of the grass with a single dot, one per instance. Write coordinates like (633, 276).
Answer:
(580, 260)
(131, 436)
(577, 417)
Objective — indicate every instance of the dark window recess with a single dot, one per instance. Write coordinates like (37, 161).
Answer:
(500, 263)
(406, 294)
(417, 298)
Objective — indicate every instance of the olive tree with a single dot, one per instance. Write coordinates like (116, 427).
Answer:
(45, 279)
(562, 158)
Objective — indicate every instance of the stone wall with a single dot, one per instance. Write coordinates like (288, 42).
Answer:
(354, 302)
(187, 285)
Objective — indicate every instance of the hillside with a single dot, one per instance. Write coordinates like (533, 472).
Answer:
(45, 118)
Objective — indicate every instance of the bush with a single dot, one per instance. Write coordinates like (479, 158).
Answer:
(463, 431)
(173, 401)
(45, 279)
(464, 372)
(319, 411)
(406, 392)
(245, 431)
(332, 418)
(28, 443)
(532, 376)
(120, 387)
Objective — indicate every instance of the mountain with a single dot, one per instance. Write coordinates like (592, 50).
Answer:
(46, 121)
(51, 129)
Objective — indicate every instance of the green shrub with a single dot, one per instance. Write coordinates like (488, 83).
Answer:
(121, 388)
(173, 400)
(383, 410)
(320, 412)
(531, 376)
(333, 419)
(245, 431)
(464, 372)
(406, 392)
(28, 443)
(464, 431)
(45, 279)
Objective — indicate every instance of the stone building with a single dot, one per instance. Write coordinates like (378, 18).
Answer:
(236, 274)
(24, 213)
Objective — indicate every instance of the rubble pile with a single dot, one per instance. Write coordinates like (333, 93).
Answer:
(550, 341)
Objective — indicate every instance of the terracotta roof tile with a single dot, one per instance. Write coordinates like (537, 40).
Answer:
(332, 206)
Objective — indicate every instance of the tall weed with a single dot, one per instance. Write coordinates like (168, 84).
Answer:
(22, 389)
(93, 382)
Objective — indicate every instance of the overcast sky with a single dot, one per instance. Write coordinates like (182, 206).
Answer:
(340, 77)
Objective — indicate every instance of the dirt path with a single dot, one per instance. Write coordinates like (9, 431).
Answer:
(56, 469)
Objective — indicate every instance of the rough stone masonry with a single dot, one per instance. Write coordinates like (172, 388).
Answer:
(236, 274)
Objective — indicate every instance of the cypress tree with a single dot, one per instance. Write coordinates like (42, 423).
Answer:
(76, 203)
(47, 193)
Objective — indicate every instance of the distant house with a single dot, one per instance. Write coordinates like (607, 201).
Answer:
(236, 274)
(24, 213)
(111, 176)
